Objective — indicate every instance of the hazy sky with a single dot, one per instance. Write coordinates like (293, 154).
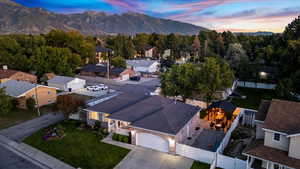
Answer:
(234, 15)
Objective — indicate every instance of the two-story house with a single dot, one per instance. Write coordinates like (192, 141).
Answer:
(278, 136)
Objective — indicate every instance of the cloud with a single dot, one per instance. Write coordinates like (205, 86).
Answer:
(127, 5)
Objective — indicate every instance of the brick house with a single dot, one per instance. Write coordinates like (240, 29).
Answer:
(153, 122)
(8, 74)
(21, 91)
(277, 144)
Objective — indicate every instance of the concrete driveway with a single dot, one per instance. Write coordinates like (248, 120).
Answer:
(141, 158)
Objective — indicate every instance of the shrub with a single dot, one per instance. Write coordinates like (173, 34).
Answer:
(97, 125)
(30, 104)
(125, 139)
(115, 137)
(121, 138)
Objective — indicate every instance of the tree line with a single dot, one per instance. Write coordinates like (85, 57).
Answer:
(58, 52)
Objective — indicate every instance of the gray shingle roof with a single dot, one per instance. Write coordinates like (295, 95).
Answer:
(16, 88)
(116, 103)
(140, 63)
(169, 119)
(60, 80)
(155, 113)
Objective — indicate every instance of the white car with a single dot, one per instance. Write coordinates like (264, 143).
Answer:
(97, 88)
(102, 87)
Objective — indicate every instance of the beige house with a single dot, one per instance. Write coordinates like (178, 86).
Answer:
(153, 122)
(278, 136)
(8, 74)
(21, 91)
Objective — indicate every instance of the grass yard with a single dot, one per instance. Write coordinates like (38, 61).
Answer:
(254, 97)
(199, 165)
(17, 116)
(79, 148)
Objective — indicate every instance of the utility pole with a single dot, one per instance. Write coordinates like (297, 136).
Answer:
(36, 85)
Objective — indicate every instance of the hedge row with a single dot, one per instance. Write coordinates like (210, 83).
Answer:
(121, 138)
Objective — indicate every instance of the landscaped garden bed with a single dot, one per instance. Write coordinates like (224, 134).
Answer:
(80, 146)
(240, 138)
(121, 138)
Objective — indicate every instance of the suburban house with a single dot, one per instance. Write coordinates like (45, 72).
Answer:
(154, 122)
(8, 74)
(100, 70)
(65, 83)
(21, 91)
(145, 52)
(100, 51)
(143, 66)
(278, 136)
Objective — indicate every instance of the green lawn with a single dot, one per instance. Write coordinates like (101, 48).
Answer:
(79, 148)
(17, 116)
(199, 165)
(254, 97)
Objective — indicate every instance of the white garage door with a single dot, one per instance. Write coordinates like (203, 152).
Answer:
(125, 77)
(152, 141)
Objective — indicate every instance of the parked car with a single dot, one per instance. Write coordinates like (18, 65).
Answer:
(102, 87)
(135, 78)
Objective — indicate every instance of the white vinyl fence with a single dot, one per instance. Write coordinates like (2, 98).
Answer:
(226, 139)
(226, 162)
(256, 85)
(216, 159)
(195, 153)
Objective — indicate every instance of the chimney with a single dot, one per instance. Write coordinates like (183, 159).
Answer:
(5, 67)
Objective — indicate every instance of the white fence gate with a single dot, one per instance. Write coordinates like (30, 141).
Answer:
(195, 153)
(256, 85)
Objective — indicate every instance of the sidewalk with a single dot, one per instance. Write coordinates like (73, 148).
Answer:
(37, 157)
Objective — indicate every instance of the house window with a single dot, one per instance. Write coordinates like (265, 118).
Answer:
(276, 137)
(94, 116)
(276, 166)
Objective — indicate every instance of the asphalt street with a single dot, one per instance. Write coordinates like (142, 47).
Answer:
(12, 160)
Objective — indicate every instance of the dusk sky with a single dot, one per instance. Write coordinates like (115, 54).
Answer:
(234, 15)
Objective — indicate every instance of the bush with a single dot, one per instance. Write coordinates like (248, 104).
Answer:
(30, 104)
(97, 125)
(121, 138)
(115, 137)
(125, 139)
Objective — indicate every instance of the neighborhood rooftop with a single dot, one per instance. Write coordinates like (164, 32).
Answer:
(287, 110)
(6, 73)
(61, 79)
(257, 149)
(262, 110)
(225, 105)
(140, 63)
(101, 69)
(16, 88)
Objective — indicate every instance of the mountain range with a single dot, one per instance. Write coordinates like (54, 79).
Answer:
(15, 18)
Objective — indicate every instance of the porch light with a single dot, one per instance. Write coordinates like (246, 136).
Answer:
(263, 74)
(172, 142)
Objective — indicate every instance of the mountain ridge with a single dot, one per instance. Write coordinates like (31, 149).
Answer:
(15, 18)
